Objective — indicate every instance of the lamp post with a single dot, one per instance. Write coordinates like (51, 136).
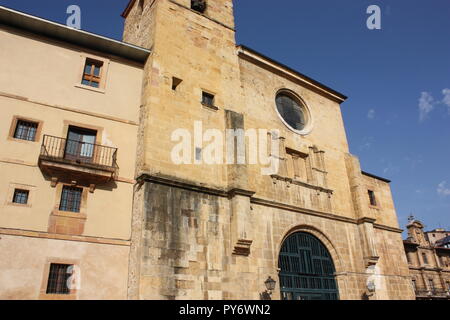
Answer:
(270, 285)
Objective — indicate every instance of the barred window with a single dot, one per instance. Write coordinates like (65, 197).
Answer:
(92, 73)
(71, 199)
(58, 277)
(20, 196)
(26, 130)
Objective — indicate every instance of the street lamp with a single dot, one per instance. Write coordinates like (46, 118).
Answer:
(270, 285)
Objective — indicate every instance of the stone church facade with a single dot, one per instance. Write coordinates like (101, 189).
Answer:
(203, 231)
(428, 255)
(92, 193)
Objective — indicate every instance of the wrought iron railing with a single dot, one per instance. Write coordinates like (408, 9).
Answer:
(425, 292)
(79, 153)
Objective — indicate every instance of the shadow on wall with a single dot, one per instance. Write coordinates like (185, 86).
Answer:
(265, 296)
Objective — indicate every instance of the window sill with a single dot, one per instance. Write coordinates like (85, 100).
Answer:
(21, 140)
(69, 214)
(19, 205)
(374, 207)
(48, 296)
(210, 107)
(82, 86)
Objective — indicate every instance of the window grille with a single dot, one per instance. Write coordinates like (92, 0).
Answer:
(26, 130)
(57, 279)
(71, 199)
(20, 196)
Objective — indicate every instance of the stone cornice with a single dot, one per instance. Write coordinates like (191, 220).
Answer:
(241, 192)
(422, 268)
(289, 207)
(221, 192)
(366, 220)
(387, 228)
(303, 184)
(183, 184)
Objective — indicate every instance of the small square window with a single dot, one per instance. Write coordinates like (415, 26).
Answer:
(20, 196)
(92, 73)
(70, 199)
(373, 200)
(208, 99)
(25, 130)
(58, 277)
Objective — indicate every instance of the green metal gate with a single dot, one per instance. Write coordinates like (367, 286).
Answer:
(307, 270)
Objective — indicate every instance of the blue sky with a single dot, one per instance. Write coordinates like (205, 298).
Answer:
(397, 116)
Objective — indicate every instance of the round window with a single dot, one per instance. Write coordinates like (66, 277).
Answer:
(293, 112)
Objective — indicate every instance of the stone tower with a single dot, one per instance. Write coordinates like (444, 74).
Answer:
(180, 247)
(416, 233)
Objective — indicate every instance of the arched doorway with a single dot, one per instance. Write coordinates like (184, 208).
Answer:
(307, 269)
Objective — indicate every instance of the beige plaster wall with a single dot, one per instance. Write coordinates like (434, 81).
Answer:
(52, 73)
(103, 267)
(19, 165)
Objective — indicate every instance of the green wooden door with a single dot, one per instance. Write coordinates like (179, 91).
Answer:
(307, 270)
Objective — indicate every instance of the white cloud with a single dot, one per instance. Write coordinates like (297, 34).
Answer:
(367, 143)
(371, 114)
(390, 169)
(425, 105)
(442, 189)
(446, 100)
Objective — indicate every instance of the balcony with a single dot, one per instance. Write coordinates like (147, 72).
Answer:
(69, 160)
(425, 293)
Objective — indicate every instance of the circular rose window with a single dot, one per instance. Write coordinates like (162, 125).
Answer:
(293, 112)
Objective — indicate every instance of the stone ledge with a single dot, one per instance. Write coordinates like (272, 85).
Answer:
(187, 185)
(54, 236)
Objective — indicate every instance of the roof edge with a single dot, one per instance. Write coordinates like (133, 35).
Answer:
(54, 30)
(307, 80)
(128, 8)
(375, 177)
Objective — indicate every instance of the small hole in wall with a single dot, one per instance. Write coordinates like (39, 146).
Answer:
(198, 5)
(175, 83)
